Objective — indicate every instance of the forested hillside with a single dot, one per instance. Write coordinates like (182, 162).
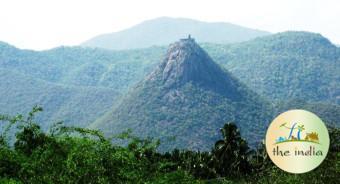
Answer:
(289, 65)
(74, 105)
(286, 66)
(294, 65)
(188, 97)
(81, 67)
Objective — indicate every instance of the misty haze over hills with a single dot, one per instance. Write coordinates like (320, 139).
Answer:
(165, 30)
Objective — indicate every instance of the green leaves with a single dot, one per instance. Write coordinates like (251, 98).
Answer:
(231, 153)
(79, 155)
(76, 155)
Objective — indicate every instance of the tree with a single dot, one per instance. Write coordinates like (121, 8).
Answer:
(231, 153)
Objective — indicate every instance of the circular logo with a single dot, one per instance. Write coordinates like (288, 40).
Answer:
(297, 141)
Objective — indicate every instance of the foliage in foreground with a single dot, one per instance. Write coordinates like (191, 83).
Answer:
(77, 155)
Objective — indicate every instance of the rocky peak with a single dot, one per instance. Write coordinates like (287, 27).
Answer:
(185, 61)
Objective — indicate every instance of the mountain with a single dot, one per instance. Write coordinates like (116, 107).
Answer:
(73, 105)
(72, 84)
(165, 30)
(289, 65)
(294, 66)
(85, 67)
(329, 113)
(189, 97)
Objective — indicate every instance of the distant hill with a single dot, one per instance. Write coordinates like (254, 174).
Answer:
(289, 65)
(73, 105)
(165, 30)
(189, 97)
(85, 67)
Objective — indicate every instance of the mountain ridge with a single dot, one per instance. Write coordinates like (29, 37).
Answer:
(289, 65)
(280, 66)
(165, 30)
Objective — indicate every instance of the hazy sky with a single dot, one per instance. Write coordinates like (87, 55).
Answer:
(43, 24)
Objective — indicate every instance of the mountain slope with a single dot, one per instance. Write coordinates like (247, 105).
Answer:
(190, 97)
(284, 66)
(73, 105)
(289, 65)
(329, 113)
(163, 31)
(83, 67)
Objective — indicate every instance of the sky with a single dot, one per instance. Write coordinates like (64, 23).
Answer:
(44, 24)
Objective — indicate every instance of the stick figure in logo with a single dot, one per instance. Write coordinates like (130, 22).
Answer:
(300, 128)
(291, 130)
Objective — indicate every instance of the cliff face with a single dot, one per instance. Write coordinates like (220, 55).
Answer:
(186, 62)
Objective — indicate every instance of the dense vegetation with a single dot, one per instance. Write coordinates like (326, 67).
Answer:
(188, 96)
(79, 85)
(290, 65)
(78, 66)
(73, 105)
(329, 113)
(77, 155)
(293, 65)
(183, 107)
(73, 84)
